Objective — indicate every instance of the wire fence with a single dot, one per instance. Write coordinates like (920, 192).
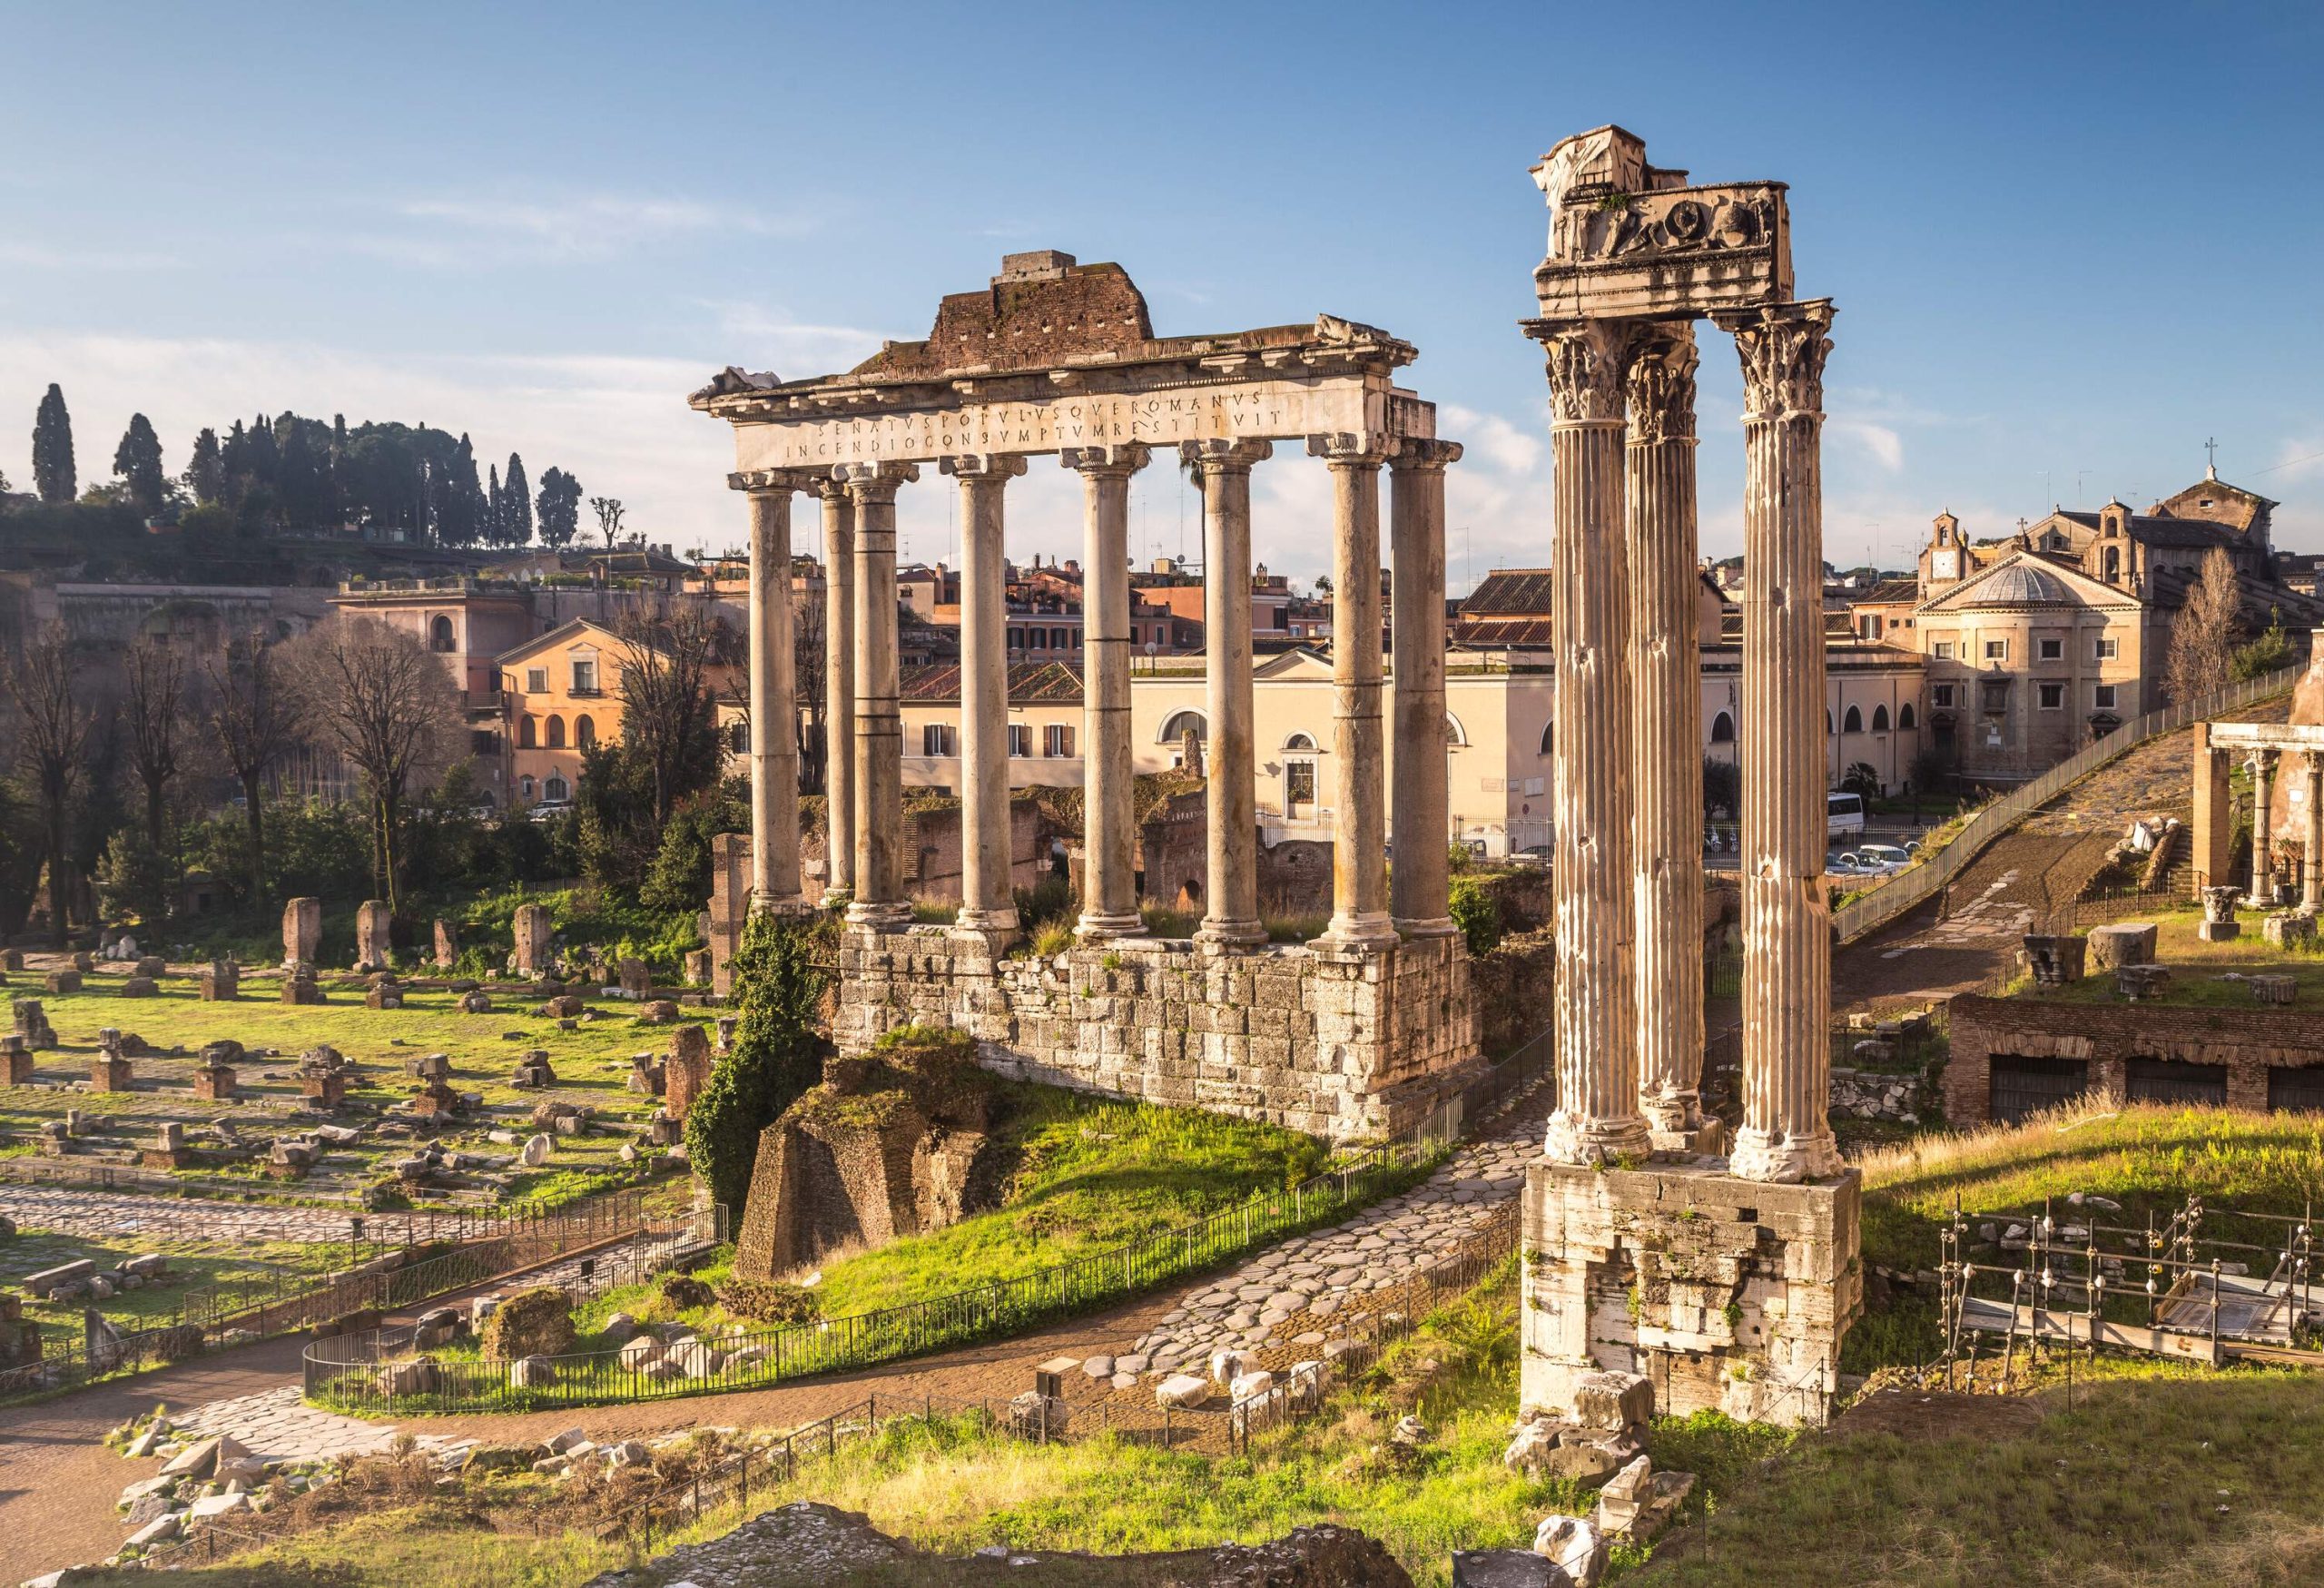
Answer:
(480, 1251)
(386, 1372)
(1909, 888)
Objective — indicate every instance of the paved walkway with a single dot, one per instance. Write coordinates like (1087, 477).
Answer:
(111, 1213)
(1327, 1271)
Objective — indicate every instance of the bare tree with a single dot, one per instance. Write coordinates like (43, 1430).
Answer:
(255, 722)
(668, 716)
(52, 727)
(153, 701)
(2204, 635)
(385, 703)
(608, 517)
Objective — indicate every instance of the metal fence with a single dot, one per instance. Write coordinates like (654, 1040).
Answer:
(1917, 885)
(378, 1371)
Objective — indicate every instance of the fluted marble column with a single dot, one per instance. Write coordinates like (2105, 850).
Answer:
(1110, 835)
(1231, 901)
(987, 904)
(774, 705)
(838, 691)
(1597, 1116)
(1787, 1133)
(1666, 755)
(1359, 748)
(2311, 849)
(1419, 801)
(878, 898)
(2263, 810)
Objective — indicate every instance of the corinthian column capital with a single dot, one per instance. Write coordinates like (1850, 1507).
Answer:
(774, 479)
(1586, 360)
(1424, 455)
(982, 465)
(1352, 448)
(1123, 458)
(1221, 456)
(1782, 347)
(875, 482)
(1661, 385)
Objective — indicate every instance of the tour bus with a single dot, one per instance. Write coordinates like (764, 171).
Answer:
(1843, 818)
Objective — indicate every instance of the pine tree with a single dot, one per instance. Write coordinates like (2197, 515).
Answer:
(53, 471)
(138, 461)
(518, 530)
(559, 507)
(205, 476)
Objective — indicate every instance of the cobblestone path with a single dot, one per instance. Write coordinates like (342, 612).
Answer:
(1327, 1273)
(94, 1214)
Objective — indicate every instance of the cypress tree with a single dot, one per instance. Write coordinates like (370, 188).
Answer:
(138, 461)
(53, 471)
(495, 512)
(519, 526)
(205, 476)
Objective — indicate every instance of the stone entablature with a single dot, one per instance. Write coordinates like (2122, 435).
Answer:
(2249, 1043)
(1341, 1044)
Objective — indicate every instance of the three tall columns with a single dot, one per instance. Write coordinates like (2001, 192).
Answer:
(839, 690)
(1420, 804)
(774, 712)
(878, 898)
(986, 901)
(1109, 865)
(1231, 911)
(1359, 750)
(1786, 1132)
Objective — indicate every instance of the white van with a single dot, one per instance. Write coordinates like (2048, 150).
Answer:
(1843, 818)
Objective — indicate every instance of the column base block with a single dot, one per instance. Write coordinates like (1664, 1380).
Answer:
(1093, 927)
(1227, 936)
(889, 917)
(1356, 934)
(1433, 926)
(1708, 1139)
(1729, 1295)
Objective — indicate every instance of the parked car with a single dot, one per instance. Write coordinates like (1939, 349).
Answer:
(1871, 860)
(1534, 857)
(550, 810)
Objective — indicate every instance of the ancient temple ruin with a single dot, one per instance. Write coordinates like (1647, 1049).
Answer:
(1727, 1280)
(1359, 1031)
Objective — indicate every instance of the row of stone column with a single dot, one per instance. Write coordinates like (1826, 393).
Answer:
(1627, 753)
(865, 780)
(2263, 764)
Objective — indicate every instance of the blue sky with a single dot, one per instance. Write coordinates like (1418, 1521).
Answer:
(2067, 243)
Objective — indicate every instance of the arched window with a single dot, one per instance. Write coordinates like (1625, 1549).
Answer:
(1722, 729)
(1179, 723)
(1905, 716)
(1879, 719)
(528, 733)
(1827, 722)
(584, 733)
(1300, 742)
(440, 633)
(556, 732)
(1454, 734)
(557, 789)
(1853, 723)
(525, 786)
(1550, 738)
(484, 799)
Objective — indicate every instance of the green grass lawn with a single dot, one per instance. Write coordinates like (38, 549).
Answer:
(2197, 966)
(250, 1268)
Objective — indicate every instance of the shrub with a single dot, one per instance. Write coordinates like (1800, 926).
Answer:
(776, 1056)
(1476, 912)
(683, 1292)
(768, 1301)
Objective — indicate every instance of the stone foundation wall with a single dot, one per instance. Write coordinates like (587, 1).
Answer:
(1877, 1094)
(2249, 1042)
(1730, 1294)
(1339, 1045)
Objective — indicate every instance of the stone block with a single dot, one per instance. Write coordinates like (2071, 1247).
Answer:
(109, 1074)
(63, 981)
(302, 932)
(214, 1084)
(222, 982)
(2289, 929)
(19, 1060)
(446, 945)
(2123, 942)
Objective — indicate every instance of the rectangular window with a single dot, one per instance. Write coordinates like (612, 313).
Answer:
(936, 739)
(1944, 693)
(2102, 697)
(536, 680)
(2052, 649)
(1996, 697)
(1944, 650)
(1021, 740)
(1996, 650)
(1299, 783)
(1056, 739)
(2054, 697)
(2108, 649)
(584, 676)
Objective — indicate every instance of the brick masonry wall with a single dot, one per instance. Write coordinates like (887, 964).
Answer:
(2248, 1042)
(1341, 1046)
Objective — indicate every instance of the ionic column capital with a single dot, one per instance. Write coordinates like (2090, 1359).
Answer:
(875, 482)
(982, 465)
(1423, 455)
(762, 481)
(1122, 457)
(1783, 347)
(1352, 448)
(1661, 385)
(1586, 360)
(1220, 456)
(827, 487)
(2262, 760)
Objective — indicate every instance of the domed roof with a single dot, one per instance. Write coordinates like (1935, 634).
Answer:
(2021, 584)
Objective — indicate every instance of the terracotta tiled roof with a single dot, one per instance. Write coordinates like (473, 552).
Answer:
(1504, 633)
(1029, 684)
(1511, 593)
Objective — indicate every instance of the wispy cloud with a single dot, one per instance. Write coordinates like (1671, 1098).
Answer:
(764, 336)
(1885, 446)
(41, 257)
(448, 230)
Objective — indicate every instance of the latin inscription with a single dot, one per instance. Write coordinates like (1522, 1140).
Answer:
(1255, 410)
